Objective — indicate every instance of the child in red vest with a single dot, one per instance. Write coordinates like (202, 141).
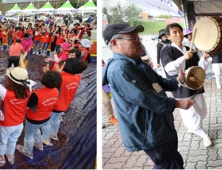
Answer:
(15, 96)
(37, 40)
(60, 40)
(84, 46)
(62, 56)
(46, 41)
(71, 76)
(40, 106)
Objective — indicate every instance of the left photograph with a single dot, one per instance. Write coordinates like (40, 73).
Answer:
(48, 87)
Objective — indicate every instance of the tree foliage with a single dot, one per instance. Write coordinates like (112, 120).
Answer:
(164, 16)
(123, 14)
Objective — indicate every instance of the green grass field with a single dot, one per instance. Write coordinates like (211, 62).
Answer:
(153, 27)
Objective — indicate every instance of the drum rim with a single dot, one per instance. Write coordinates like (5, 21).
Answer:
(219, 38)
(188, 71)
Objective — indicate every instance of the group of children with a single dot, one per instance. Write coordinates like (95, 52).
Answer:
(43, 39)
(40, 108)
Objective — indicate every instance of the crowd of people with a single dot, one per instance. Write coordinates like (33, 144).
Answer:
(37, 109)
(143, 109)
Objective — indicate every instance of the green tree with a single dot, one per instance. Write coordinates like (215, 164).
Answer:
(105, 11)
(132, 14)
(123, 14)
(117, 14)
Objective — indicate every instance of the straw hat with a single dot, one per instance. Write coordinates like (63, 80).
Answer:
(18, 75)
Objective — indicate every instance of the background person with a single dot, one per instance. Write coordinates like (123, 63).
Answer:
(175, 57)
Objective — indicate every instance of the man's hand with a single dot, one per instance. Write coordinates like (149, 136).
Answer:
(206, 55)
(184, 103)
(181, 76)
(158, 66)
(188, 55)
(23, 56)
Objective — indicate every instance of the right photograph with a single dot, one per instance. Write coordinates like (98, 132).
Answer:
(161, 89)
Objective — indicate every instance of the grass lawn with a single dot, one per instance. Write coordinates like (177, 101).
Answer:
(153, 27)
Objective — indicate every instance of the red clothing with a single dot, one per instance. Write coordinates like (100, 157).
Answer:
(1, 33)
(70, 84)
(64, 56)
(30, 32)
(47, 99)
(18, 35)
(86, 53)
(47, 38)
(60, 39)
(71, 36)
(15, 50)
(38, 37)
(14, 109)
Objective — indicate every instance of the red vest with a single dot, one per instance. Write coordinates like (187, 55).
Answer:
(14, 109)
(30, 32)
(47, 37)
(47, 99)
(70, 84)
(59, 55)
(60, 39)
(38, 37)
(85, 55)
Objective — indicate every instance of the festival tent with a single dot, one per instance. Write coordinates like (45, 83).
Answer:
(14, 10)
(66, 7)
(30, 9)
(46, 8)
(89, 6)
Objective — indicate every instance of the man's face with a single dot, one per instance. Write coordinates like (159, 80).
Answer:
(176, 35)
(130, 48)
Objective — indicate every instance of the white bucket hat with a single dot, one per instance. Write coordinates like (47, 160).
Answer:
(18, 75)
(86, 43)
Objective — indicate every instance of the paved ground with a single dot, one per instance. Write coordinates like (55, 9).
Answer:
(191, 147)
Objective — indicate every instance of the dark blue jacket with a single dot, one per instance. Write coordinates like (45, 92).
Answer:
(145, 115)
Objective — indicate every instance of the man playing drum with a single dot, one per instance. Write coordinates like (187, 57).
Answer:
(174, 57)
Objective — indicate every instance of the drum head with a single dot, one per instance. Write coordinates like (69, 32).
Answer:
(207, 35)
(195, 77)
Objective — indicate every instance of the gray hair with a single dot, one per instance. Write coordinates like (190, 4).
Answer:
(114, 37)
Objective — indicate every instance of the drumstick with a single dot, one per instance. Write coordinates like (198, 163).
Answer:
(193, 37)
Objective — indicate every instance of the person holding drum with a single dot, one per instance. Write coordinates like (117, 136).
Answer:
(175, 57)
(187, 41)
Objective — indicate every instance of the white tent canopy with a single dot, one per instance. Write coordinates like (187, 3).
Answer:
(89, 6)
(46, 8)
(66, 7)
(29, 9)
(14, 10)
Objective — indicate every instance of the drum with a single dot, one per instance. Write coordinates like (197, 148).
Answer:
(209, 34)
(194, 77)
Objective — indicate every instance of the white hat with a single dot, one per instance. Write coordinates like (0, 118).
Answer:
(86, 43)
(18, 75)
